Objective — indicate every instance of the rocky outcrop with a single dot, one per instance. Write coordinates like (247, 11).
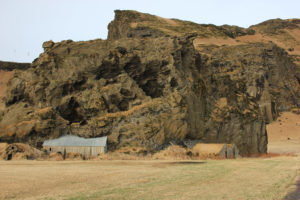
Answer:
(9, 66)
(149, 87)
(132, 24)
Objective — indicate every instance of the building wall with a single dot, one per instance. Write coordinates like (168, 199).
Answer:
(84, 151)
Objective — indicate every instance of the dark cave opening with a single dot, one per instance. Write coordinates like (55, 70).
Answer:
(108, 70)
(69, 111)
(152, 89)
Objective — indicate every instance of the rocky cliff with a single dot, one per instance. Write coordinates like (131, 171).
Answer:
(155, 81)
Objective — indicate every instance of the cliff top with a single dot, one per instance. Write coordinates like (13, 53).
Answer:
(133, 20)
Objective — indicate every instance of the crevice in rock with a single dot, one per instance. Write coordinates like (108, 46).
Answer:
(173, 82)
(71, 87)
(146, 75)
(108, 70)
(153, 89)
(69, 111)
(134, 67)
(123, 105)
(127, 93)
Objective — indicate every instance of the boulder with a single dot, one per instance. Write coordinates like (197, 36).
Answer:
(48, 45)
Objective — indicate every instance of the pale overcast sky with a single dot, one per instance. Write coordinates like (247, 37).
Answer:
(26, 24)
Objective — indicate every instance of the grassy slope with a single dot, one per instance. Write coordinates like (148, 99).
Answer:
(284, 134)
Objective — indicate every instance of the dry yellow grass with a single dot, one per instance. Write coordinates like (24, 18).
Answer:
(173, 152)
(130, 111)
(284, 134)
(208, 148)
(224, 179)
(3, 146)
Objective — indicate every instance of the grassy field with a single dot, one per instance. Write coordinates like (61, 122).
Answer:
(252, 178)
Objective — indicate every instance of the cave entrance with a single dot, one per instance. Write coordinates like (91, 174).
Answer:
(69, 111)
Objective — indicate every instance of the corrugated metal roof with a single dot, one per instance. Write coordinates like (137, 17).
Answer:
(71, 140)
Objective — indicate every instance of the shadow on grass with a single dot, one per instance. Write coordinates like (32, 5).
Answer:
(181, 163)
(186, 163)
(295, 195)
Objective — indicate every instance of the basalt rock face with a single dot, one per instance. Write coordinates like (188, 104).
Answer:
(150, 91)
(266, 70)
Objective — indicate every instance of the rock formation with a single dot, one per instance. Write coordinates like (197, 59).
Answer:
(10, 66)
(155, 81)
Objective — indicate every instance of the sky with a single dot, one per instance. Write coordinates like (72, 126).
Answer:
(26, 24)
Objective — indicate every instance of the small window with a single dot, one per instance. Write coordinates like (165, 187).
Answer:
(50, 149)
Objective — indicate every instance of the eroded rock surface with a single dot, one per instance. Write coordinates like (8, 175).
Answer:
(146, 88)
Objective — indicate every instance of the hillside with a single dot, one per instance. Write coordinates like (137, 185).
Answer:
(10, 66)
(157, 81)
